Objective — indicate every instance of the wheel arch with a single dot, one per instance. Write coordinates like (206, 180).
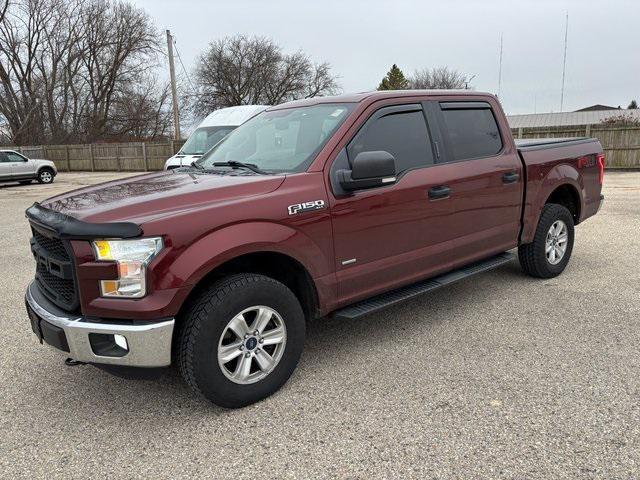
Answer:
(268, 248)
(277, 265)
(45, 167)
(567, 195)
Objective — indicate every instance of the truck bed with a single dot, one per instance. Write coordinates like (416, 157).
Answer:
(528, 144)
(541, 155)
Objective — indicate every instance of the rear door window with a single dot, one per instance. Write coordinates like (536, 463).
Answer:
(470, 132)
(403, 134)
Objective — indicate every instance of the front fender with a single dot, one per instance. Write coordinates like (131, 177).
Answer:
(222, 245)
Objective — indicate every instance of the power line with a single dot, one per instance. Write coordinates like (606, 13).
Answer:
(183, 67)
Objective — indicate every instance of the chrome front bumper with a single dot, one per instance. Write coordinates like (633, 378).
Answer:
(149, 345)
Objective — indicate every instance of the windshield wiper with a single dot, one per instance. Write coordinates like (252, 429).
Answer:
(196, 165)
(235, 164)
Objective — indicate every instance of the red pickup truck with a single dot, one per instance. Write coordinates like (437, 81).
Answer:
(333, 206)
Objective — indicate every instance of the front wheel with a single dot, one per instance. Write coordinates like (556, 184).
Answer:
(45, 175)
(548, 254)
(241, 339)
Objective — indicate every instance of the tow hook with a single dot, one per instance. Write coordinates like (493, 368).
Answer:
(70, 362)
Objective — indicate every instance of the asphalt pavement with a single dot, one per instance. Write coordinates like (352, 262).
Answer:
(498, 376)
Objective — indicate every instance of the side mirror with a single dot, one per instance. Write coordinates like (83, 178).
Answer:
(369, 170)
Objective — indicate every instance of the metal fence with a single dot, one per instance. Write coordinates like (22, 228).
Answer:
(621, 144)
(103, 157)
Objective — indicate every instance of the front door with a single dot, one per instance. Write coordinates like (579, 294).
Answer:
(21, 167)
(6, 166)
(392, 235)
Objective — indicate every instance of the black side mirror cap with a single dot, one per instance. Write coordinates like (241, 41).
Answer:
(369, 170)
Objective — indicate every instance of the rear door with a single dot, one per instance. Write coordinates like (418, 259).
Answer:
(388, 236)
(485, 177)
(5, 166)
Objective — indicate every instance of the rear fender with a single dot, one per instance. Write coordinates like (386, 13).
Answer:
(540, 189)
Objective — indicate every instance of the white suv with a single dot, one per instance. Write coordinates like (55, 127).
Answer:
(15, 167)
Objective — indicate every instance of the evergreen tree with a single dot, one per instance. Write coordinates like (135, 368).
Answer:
(394, 80)
(633, 105)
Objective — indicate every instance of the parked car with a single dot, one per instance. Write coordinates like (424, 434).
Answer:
(334, 206)
(15, 167)
(212, 129)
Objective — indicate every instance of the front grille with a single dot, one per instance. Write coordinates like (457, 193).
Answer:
(55, 274)
(52, 245)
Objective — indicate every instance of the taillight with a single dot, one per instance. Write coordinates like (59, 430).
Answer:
(600, 162)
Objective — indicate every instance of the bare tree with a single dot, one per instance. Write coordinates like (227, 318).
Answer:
(66, 67)
(4, 6)
(141, 111)
(242, 70)
(120, 44)
(438, 78)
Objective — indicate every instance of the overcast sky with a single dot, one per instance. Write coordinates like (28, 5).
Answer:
(361, 39)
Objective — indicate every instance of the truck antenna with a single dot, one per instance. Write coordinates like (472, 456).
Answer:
(500, 68)
(564, 62)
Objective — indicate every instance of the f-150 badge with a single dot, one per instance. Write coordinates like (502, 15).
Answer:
(305, 207)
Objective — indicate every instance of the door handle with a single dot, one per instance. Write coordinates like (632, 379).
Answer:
(510, 177)
(441, 191)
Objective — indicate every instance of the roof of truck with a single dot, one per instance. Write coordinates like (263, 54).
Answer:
(377, 95)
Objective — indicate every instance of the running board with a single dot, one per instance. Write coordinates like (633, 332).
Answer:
(384, 300)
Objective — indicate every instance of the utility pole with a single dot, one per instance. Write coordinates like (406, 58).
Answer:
(500, 69)
(174, 90)
(564, 62)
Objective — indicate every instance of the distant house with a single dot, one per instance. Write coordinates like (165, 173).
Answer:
(568, 119)
(598, 108)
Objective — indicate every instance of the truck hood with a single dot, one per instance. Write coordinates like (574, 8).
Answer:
(145, 197)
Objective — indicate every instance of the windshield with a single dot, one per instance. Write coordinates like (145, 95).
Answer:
(203, 138)
(281, 140)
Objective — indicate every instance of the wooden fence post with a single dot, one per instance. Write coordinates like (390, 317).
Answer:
(520, 132)
(93, 163)
(587, 131)
(144, 157)
(66, 156)
(118, 166)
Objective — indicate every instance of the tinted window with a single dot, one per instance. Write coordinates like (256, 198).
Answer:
(404, 135)
(472, 133)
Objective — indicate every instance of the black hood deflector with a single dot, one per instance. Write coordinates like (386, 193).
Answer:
(71, 228)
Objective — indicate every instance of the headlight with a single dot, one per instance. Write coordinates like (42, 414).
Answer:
(132, 257)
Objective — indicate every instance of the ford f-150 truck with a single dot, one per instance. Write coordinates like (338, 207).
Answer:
(328, 206)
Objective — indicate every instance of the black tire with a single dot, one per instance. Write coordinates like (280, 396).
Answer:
(532, 256)
(203, 323)
(45, 175)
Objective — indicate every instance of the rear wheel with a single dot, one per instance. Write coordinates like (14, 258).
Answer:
(45, 175)
(548, 254)
(241, 339)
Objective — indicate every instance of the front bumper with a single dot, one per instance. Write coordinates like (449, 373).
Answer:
(148, 345)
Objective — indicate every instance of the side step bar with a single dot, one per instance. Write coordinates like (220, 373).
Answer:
(384, 300)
